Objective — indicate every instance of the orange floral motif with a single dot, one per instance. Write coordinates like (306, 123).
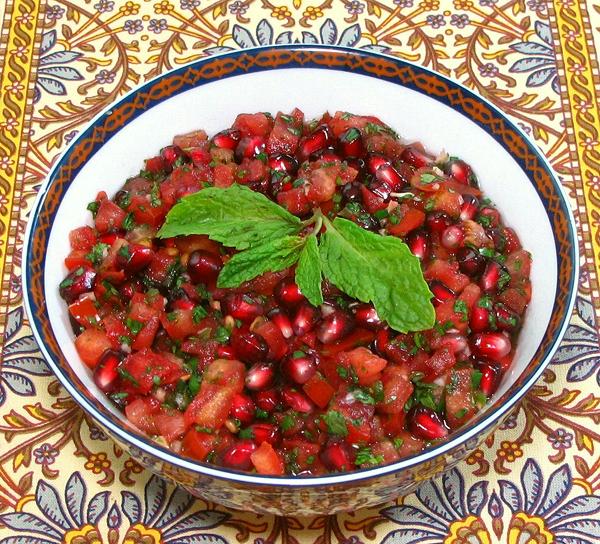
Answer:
(97, 462)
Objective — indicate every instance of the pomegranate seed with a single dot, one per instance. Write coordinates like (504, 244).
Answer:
(249, 147)
(498, 238)
(506, 319)
(305, 319)
(319, 139)
(199, 156)
(249, 346)
(418, 243)
(127, 290)
(479, 320)
(267, 400)
(491, 276)
(469, 207)
(358, 164)
(326, 155)
(227, 139)
(282, 321)
(105, 372)
(288, 293)
(491, 376)
(334, 327)
(260, 376)
(171, 153)
(470, 261)
(424, 423)
(242, 307)
(454, 341)
(492, 216)
(336, 457)
(134, 257)
(375, 162)
(183, 304)
(265, 432)
(226, 352)
(242, 408)
(238, 455)
(460, 171)
(452, 237)
(438, 222)
(366, 317)
(203, 266)
(441, 293)
(415, 157)
(491, 345)
(108, 238)
(389, 176)
(296, 400)
(352, 192)
(283, 163)
(300, 369)
(351, 144)
(78, 282)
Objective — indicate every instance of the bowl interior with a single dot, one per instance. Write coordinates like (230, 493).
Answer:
(213, 106)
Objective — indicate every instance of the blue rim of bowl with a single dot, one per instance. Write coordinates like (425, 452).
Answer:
(492, 414)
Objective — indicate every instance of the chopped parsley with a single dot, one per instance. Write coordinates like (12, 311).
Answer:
(198, 314)
(93, 207)
(134, 326)
(247, 433)
(365, 456)
(336, 423)
(222, 335)
(460, 307)
(96, 254)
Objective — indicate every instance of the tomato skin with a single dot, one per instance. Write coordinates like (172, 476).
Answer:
(282, 140)
(82, 238)
(267, 461)
(253, 124)
(319, 390)
(84, 311)
(91, 344)
(155, 165)
(277, 343)
(141, 412)
(109, 217)
(294, 201)
(75, 259)
(142, 368)
(411, 219)
(448, 274)
(115, 329)
(198, 444)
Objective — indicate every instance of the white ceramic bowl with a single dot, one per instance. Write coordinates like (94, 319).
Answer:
(511, 172)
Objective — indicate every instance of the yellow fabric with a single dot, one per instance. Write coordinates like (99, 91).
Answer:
(517, 488)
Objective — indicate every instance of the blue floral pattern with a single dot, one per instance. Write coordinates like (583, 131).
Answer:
(166, 515)
(540, 59)
(20, 359)
(52, 68)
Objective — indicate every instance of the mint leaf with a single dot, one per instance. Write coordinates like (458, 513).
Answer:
(378, 269)
(271, 256)
(308, 272)
(236, 216)
(336, 423)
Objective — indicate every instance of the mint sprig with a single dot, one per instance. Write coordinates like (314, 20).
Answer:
(377, 269)
(237, 217)
(367, 266)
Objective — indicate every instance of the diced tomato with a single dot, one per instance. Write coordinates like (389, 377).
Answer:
(253, 124)
(267, 461)
(393, 423)
(109, 217)
(170, 424)
(182, 182)
(155, 165)
(385, 449)
(397, 388)
(411, 219)
(439, 363)
(319, 390)
(225, 174)
(294, 201)
(190, 139)
(447, 201)
(160, 266)
(518, 264)
(512, 240)
(115, 329)
(76, 258)
(82, 238)
(198, 444)
(277, 343)
(366, 365)
(517, 298)
(91, 344)
(359, 337)
(145, 338)
(251, 170)
(286, 133)
(179, 324)
(194, 242)
(342, 121)
(408, 444)
(146, 211)
(141, 412)
(459, 402)
(84, 311)
(448, 273)
(144, 369)
(305, 453)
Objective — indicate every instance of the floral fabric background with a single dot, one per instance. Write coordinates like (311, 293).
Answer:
(536, 480)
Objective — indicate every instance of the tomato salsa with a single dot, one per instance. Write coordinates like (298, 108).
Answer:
(255, 377)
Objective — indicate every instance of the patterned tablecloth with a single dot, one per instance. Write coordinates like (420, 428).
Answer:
(536, 480)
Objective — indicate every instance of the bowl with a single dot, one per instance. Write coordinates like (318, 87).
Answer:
(420, 105)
